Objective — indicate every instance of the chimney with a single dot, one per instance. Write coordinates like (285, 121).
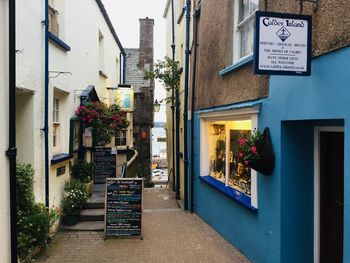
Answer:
(146, 41)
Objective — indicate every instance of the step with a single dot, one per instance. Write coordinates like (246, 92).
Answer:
(92, 215)
(85, 226)
(94, 205)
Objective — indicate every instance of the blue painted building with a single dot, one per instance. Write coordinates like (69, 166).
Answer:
(284, 217)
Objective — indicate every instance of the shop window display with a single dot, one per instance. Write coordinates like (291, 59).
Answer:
(224, 154)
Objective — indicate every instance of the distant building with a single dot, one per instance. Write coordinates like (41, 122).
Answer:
(137, 61)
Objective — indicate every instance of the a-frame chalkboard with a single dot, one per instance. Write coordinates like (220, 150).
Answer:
(123, 207)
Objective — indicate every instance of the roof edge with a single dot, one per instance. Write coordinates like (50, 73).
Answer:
(109, 23)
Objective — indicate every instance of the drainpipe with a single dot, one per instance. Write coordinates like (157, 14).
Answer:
(197, 14)
(173, 93)
(46, 109)
(187, 62)
(177, 127)
(12, 150)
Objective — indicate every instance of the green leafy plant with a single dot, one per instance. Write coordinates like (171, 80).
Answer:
(104, 120)
(250, 147)
(83, 171)
(73, 201)
(168, 72)
(73, 184)
(34, 220)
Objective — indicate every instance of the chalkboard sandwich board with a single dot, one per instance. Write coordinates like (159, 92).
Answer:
(124, 204)
(105, 164)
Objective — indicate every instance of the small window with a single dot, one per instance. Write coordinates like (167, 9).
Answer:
(120, 137)
(53, 21)
(56, 111)
(244, 27)
(56, 125)
(101, 52)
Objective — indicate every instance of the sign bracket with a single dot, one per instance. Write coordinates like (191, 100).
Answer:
(301, 4)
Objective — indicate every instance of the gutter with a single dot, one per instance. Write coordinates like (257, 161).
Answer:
(12, 150)
(185, 116)
(110, 26)
(46, 104)
(197, 14)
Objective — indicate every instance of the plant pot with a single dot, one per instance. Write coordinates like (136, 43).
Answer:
(266, 164)
(72, 219)
(89, 187)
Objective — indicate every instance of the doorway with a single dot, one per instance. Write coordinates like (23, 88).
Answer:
(329, 194)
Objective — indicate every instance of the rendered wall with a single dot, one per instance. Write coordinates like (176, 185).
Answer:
(79, 28)
(5, 247)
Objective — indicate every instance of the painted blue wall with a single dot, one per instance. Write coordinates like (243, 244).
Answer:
(282, 229)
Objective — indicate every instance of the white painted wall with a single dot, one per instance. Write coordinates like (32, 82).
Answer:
(5, 247)
(79, 23)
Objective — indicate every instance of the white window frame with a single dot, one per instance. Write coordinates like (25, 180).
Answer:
(237, 32)
(229, 115)
(126, 138)
(56, 125)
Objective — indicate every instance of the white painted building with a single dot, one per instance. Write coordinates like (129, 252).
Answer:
(5, 247)
(83, 50)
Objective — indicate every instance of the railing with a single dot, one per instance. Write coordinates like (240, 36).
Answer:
(132, 166)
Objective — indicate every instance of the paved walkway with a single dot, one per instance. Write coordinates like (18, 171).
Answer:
(169, 235)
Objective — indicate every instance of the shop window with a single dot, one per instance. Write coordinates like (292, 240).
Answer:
(219, 157)
(244, 15)
(223, 153)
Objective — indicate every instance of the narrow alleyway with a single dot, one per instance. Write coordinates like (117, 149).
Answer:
(169, 235)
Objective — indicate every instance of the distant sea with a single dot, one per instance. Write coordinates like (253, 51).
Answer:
(158, 147)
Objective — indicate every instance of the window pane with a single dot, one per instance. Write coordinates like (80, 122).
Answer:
(247, 34)
(240, 175)
(243, 9)
(217, 150)
(254, 4)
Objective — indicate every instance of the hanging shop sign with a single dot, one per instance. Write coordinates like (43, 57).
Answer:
(125, 98)
(124, 204)
(282, 44)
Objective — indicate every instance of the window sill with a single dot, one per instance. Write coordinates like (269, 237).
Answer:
(58, 42)
(58, 158)
(239, 64)
(230, 192)
(102, 74)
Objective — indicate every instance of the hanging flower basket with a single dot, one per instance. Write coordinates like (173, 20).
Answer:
(256, 151)
(104, 120)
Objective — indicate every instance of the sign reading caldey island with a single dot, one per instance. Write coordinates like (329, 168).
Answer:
(282, 44)
(105, 164)
(124, 204)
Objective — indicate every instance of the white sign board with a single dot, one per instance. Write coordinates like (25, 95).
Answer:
(282, 44)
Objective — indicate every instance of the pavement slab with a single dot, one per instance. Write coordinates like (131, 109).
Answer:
(169, 235)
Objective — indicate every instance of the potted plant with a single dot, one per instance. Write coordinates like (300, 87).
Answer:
(256, 151)
(71, 206)
(83, 171)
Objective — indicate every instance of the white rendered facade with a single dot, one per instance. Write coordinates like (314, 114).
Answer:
(81, 24)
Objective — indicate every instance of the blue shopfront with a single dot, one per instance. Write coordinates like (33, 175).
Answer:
(301, 213)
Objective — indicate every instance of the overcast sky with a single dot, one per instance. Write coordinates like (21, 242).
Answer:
(125, 15)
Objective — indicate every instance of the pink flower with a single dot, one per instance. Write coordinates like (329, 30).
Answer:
(241, 141)
(241, 155)
(254, 150)
(246, 162)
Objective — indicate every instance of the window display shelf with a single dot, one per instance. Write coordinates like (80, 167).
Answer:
(230, 192)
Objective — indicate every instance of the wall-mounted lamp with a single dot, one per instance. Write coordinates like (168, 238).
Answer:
(156, 106)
